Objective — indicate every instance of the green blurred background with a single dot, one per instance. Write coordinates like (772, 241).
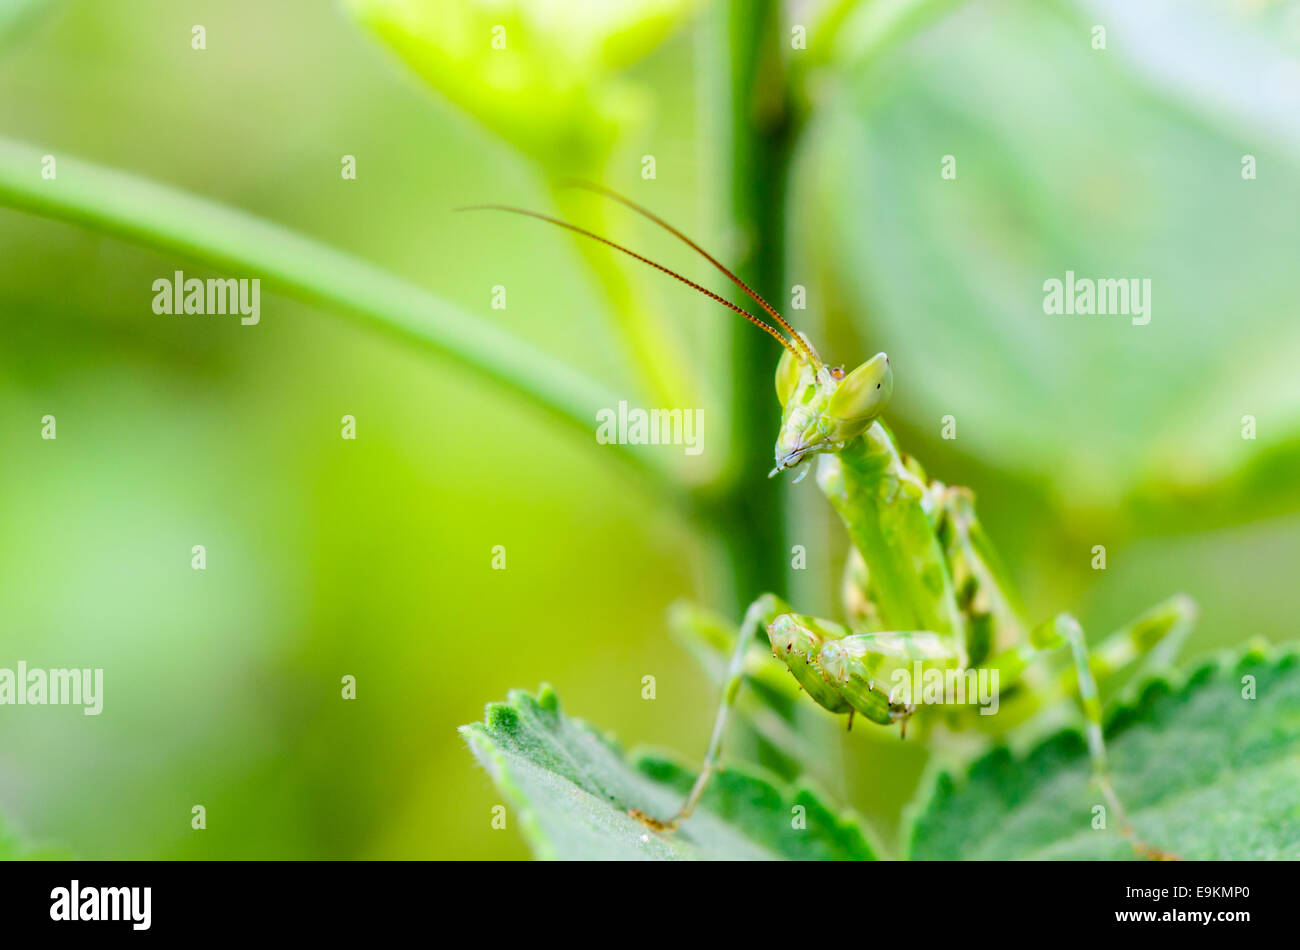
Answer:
(372, 558)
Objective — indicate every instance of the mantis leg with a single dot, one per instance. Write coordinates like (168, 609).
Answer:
(1064, 630)
(759, 614)
(985, 595)
(1066, 627)
(1158, 632)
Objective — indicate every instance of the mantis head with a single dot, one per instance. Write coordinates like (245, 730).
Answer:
(789, 635)
(822, 408)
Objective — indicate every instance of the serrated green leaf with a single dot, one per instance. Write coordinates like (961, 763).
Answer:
(570, 791)
(1204, 772)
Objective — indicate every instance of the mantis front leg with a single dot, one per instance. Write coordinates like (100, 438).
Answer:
(836, 668)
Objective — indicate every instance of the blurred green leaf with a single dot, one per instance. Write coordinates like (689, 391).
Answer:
(10, 847)
(850, 31)
(571, 790)
(547, 77)
(1232, 63)
(539, 74)
(1204, 772)
(17, 17)
(1066, 160)
(15, 848)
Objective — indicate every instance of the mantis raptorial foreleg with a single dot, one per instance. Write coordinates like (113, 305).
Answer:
(836, 668)
(842, 672)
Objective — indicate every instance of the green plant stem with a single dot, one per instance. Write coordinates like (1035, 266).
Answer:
(170, 219)
(761, 136)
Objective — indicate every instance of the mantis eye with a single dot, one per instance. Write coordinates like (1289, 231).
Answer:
(787, 377)
(863, 394)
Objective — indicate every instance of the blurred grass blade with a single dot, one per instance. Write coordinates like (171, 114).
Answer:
(159, 216)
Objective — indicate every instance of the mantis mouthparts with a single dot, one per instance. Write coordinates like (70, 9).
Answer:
(790, 461)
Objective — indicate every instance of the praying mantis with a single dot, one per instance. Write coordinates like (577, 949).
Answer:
(924, 590)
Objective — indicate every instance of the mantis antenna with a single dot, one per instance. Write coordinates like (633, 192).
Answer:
(753, 294)
(766, 327)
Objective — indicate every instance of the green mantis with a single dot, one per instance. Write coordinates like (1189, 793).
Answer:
(933, 627)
